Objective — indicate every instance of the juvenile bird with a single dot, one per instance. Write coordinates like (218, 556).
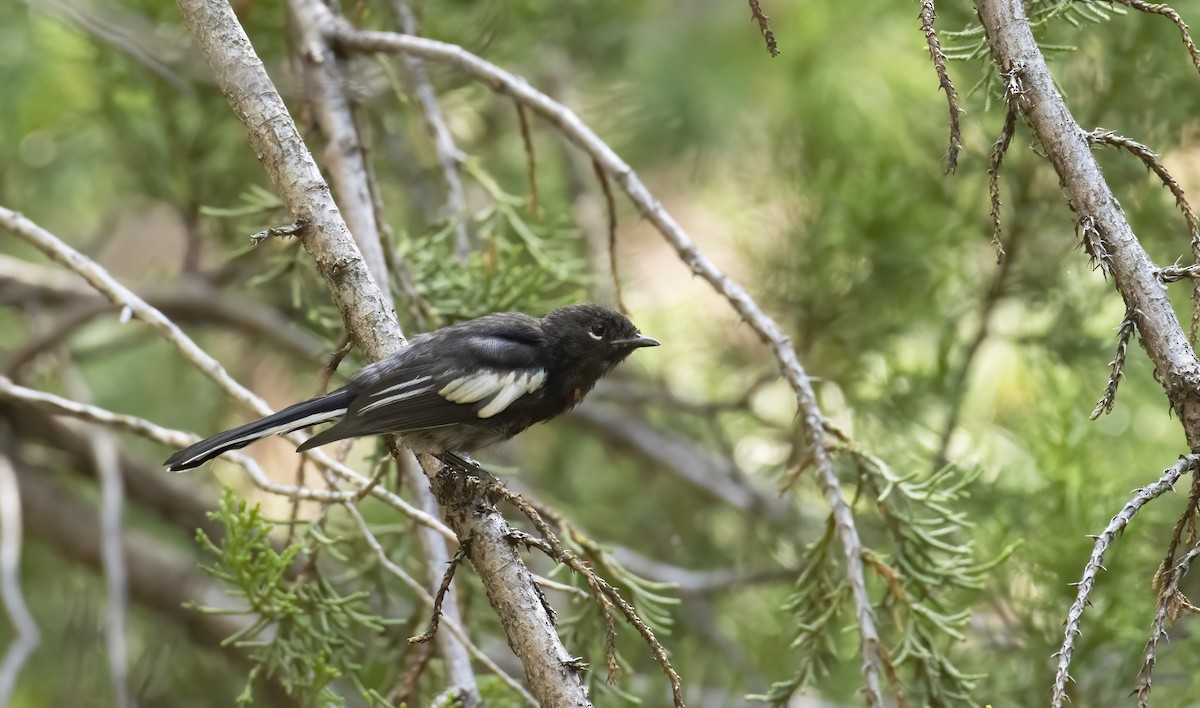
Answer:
(459, 388)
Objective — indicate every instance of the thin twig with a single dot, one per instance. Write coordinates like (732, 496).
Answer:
(345, 157)
(176, 438)
(459, 556)
(25, 628)
(928, 16)
(1155, 165)
(764, 26)
(1170, 13)
(1171, 274)
(1124, 334)
(998, 151)
(611, 204)
(530, 161)
(605, 594)
(1095, 565)
(1092, 242)
(1170, 602)
(450, 157)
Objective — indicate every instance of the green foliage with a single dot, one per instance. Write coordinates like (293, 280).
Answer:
(519, 264)
(302, 631)
(920, 591)
(817, 180)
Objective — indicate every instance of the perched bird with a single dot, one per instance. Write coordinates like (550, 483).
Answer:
(459, 388)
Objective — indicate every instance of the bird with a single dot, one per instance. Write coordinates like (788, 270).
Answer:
(457, 389)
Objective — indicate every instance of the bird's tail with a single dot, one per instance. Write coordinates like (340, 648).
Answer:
(301, 415)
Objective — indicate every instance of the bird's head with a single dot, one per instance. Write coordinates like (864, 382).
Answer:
(592, 339)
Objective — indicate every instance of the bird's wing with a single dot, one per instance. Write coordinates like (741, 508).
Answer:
(452, 378)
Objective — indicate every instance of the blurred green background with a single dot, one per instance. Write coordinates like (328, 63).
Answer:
(816, 179)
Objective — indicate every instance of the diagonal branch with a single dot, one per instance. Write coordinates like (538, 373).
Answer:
(1168, 12)
(574, 129)
(1068, 149)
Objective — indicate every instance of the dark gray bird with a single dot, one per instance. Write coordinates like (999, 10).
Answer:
(459, 388)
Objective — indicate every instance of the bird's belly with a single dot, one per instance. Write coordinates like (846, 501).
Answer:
(456, 438)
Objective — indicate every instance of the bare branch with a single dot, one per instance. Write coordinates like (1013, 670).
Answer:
(1100, 217)
(423, 595)
(1169, 602)
(175, 438)
(764, 26)
(928, 16)
(612, 234)
(344, 154)
(273, 135)
(605, 594)
(1155, 165)
(510, 588)
(1172, 274)
(998, 151)
(448, 154)
(530, 161)
(1095, 565)
(434, 547)
(1168, 12)
(440, 598)
(25, 628)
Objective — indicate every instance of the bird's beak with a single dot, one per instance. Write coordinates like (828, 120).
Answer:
(639, 341)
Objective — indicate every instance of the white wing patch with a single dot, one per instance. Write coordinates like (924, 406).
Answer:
(403, 384)
(407, 389)
(503, 388)
(527, 382)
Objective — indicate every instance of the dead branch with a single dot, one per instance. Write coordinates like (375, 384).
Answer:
(928, 17)
(764, 26)
(1117, 365)
(1170, 605)
(999, 149)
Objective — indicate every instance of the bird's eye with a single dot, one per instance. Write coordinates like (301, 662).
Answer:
(597, 331)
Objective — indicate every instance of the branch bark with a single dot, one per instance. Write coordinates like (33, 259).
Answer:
(24, 626)
(277, 143)
(372, 326)
(1067, 147)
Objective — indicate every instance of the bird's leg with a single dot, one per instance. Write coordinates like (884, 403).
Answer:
(466, 465)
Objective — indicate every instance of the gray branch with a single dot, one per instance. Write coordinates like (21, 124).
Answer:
(372, 326)
(27, 636)
(448, 154)
(1069, 151)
